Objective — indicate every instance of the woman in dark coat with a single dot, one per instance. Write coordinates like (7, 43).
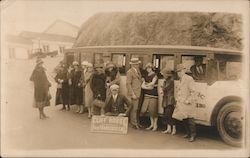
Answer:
(41, 88)
(97, 85)
(168, 101)
(112, 76)
(62, 93)
(76, 93)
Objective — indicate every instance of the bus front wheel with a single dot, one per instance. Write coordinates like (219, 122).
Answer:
(229, 123)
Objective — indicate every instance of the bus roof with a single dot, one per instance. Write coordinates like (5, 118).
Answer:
(175, 48)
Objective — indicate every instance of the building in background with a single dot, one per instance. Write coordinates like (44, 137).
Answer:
(18, 47)
(60, 27)
(44, 42)
(58, 36)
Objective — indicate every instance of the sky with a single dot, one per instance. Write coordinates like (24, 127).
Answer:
(37, 15)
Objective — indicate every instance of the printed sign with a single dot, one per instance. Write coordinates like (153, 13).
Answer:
(109, 124)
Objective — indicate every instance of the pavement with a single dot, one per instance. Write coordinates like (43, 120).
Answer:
(21, 128)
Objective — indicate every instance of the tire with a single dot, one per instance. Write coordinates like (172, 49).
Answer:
(229, 123)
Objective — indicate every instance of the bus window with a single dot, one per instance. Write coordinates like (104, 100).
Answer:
(167, 62)
(229, 70)
(86, 57)
(101, 58)
(69, 59)
(195, 66)
(229, 66)
(234, 70)
(120, 61)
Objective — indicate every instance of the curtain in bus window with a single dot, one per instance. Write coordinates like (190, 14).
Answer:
(167, 62)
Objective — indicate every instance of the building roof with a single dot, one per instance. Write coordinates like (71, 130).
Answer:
(61, 27)
(46, 36)
(218, 30)
(18, 39)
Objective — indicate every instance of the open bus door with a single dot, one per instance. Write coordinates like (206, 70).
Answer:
(69, 59)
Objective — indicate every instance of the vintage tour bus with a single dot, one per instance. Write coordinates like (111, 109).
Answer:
(218, 97)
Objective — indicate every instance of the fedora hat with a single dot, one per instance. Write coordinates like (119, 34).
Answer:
(134, 61)
(180, 67)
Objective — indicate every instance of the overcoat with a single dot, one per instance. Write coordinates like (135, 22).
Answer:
(112, 77)
(88, 93)
(168, 92)
(184, 106)
(62, 94)
(76, 90)
(41, 87)
(97, 84)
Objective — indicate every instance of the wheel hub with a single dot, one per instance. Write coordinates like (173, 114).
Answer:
(233, 124)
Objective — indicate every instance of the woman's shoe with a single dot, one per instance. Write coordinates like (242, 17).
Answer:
(68, 108)
(149, 128)
(155, 128)
(45, 116)
(168, 130)
(165, 132)
(89, 116)
(186, 136)
(173, 131)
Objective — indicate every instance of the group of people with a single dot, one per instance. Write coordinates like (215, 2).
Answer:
(85, 86)
(95, 88)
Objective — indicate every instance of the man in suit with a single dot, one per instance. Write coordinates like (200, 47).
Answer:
(133, 83)
(198, 70)
(115, 103)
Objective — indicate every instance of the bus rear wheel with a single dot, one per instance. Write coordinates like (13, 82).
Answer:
(229, 123)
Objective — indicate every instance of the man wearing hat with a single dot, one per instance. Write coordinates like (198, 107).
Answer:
(115, 103)
(184, 106)
(133, 83)
(198, 70)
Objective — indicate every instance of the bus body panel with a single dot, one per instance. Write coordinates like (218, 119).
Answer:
(220, 90)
